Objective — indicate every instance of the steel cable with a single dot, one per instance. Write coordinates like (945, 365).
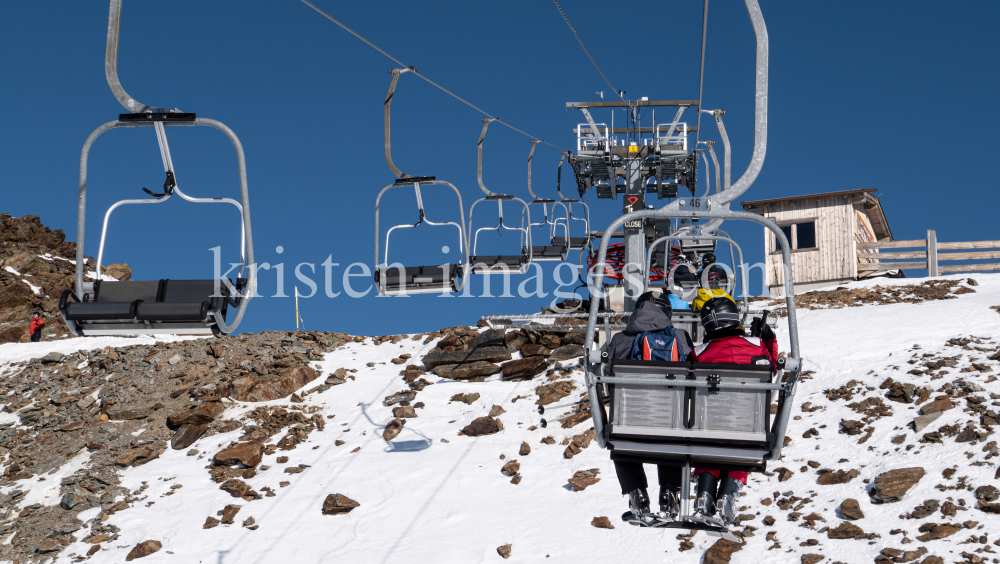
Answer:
(438, 86)
(573, 29)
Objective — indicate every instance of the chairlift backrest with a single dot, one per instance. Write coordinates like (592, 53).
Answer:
(558, 248)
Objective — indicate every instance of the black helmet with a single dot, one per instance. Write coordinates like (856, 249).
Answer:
(658, 299)
(719, 314)
(707, 259)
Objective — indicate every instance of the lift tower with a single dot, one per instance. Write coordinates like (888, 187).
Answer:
(657, 164)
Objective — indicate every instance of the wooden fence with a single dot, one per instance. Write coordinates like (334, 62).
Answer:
(872, 257)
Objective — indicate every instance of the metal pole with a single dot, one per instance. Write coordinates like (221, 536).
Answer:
(635, 239)
(932, 256)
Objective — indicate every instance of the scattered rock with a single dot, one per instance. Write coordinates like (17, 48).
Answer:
(846, 530)
(525, 449)
(601, 523)
(532, 349)
(566, 352)
(228, 513)
(210, 522)
(129, 412)
(583, 479)
(838, 477)
(235, 487)
(554, 392)
(933, 531)
(936, 406)
(482, 426)
(48, 545)
(404, 411)
(466, 371)
(811, 558)
(784, 474)
(922, 421)
(249, 454)
(497, 410)
(987, 493)
(338, 504)
(439, 357)
(467, 399)
(721, 552)
(524, 368)
(400, 397)
(255, 388)
(144, 549)
(393, 429)
(850, 509)
(891, 486)
(504, 551)
(511, 468)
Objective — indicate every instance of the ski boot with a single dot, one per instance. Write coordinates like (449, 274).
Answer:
(670, 503)
(725, 505)
(638, 514)
(704, 503)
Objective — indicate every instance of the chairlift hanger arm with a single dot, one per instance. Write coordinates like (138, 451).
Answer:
(111, 66)
(534, 143)
(387, 110)
(479, 162)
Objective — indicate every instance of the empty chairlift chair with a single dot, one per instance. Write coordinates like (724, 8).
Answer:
(392, 279)
(498, 264)
(558, 246)
(198, 307)
(575, 243)
(689, 414)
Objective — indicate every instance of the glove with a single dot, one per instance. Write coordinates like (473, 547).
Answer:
(766, 333)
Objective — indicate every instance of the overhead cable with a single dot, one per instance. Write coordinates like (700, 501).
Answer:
(442, 88)
(571, 28)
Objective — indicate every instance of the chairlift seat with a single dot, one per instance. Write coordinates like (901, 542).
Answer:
(668, 423)
(513, 263)
(418, 279)
(578, 243)
(549, 252)
(147, 307)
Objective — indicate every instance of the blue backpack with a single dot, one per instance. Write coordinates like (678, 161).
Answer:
(657, 345)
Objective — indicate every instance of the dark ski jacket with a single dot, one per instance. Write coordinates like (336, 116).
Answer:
(647, 317)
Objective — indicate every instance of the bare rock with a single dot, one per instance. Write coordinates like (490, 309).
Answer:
(338, 504)
(438, 357)
(186, 436)
(228, 513)
(524, 368)
(248, 454)
(921, 422)
(404, 411)
(48, 545)
(601, 523)
(119, 271)
(721, 552)
(554, 392)
(204, 414)
(393, 429)
(511, 468)
(936, 406)
(210, 522)
(467, 399)
(136, 456)
(482, 426)
(399, 398)
(550, 341)
(987, 493)
(583, 479)
(850, 509)
(525, 449)
(235, 487)
(534, 349)
(846, 530)
(784, 474)
(934, 531)
(129, 412)
(269, 387)
(838, 477)
(891, 486)
(811, 558)
(144, 549)
(496, 410)
(566, 352)
(504, 551)
(466, 371)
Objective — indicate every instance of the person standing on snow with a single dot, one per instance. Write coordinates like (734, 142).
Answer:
(35, 329)
(726, 342)
(651, 317)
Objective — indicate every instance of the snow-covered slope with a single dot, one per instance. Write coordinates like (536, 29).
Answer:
(431, 495)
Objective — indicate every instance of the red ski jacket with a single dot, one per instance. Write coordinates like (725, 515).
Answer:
(36, 324)
(736, 350)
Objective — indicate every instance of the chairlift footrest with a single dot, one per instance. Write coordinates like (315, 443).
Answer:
(713, 383)
(415, 179)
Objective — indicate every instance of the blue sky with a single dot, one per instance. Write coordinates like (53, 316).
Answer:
(894, 96)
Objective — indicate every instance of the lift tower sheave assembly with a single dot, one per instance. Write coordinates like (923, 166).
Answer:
(659, 164)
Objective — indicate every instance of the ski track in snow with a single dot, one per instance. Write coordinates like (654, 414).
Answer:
(423, 500)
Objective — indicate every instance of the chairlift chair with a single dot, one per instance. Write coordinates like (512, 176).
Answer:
(575, 243)
(558, 247)
(689, 414)
(499, 264)
(167, 306)
(395, 279)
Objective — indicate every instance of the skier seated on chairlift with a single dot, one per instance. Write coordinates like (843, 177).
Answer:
(708, 263)
(714, 290)
(650, 335)
(726, 342)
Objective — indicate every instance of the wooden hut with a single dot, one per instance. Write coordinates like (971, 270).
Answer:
(824, 230)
